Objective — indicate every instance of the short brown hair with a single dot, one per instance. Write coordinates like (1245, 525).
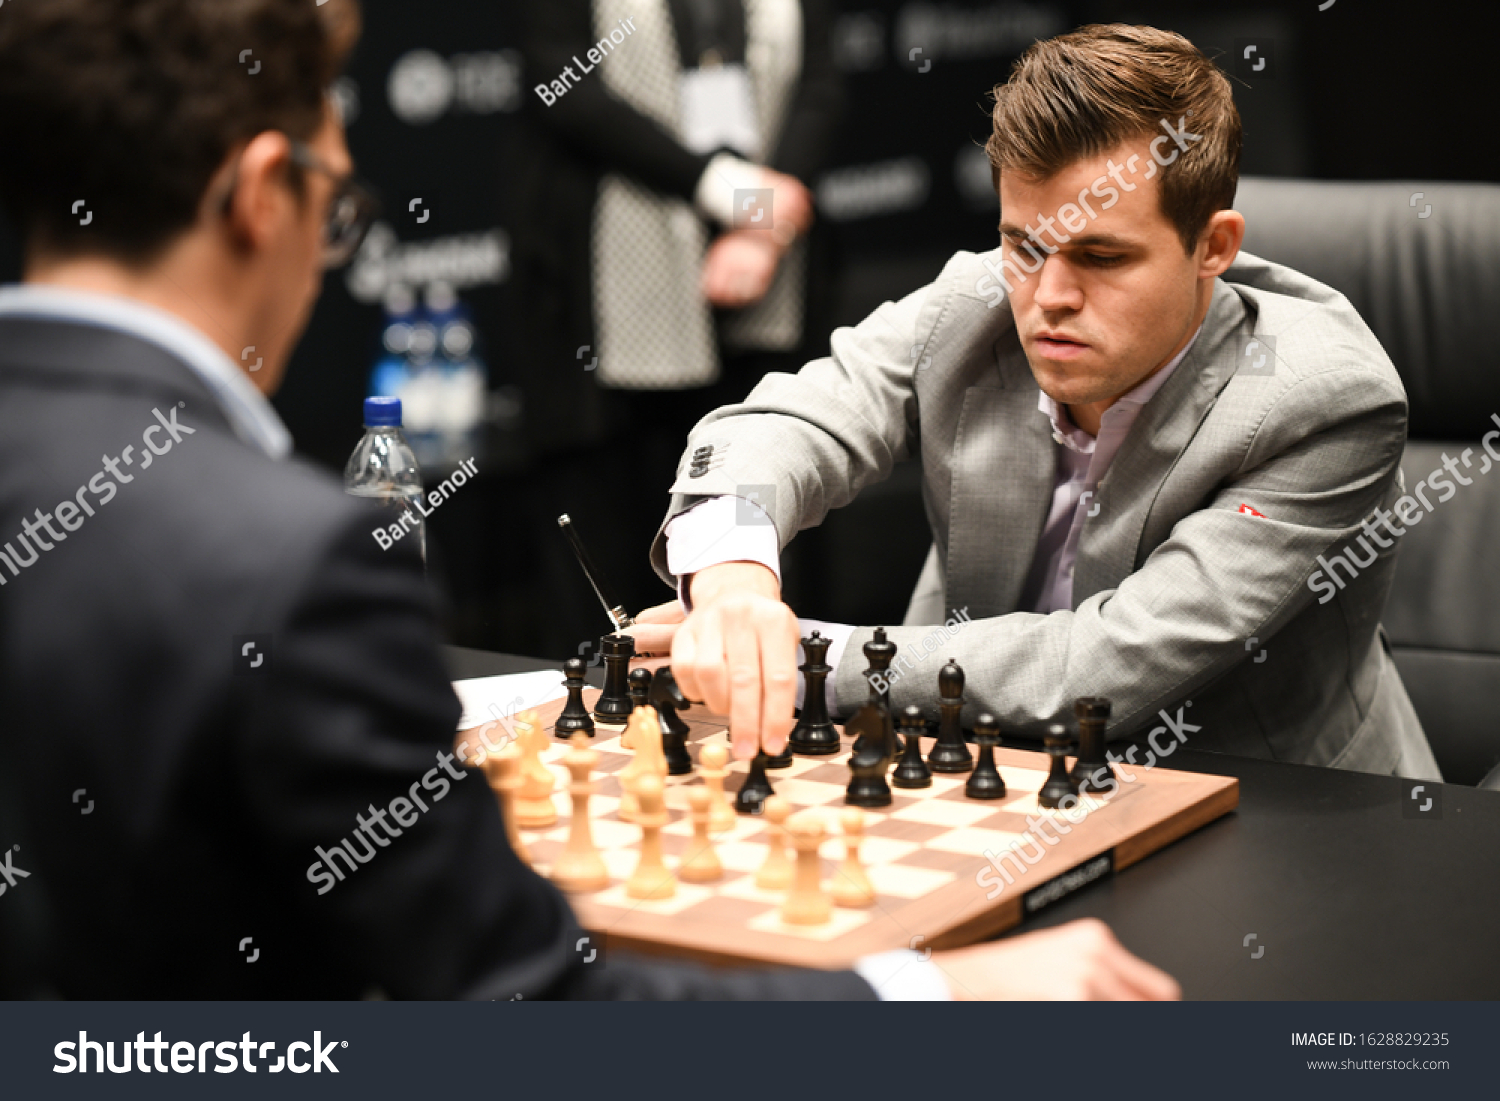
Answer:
(1083, 93)
(132, 105)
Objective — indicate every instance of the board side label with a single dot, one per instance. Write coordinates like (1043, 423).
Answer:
(1075, 879)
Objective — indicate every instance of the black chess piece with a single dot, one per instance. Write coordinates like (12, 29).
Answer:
(880, 652)
(756, 789)
(871, 758)
(1059, 784)
(1092, 713)
(950, 753)
(614, 705)
(781, 760)
(575, 716)
(911, 771)
(667, 698)
(985, 782)
(814, 734)
(640, 687)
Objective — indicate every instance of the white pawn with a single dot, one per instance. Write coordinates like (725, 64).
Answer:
(651, 878)
(712, 759)
(776, 873)
(852, 888)
(806, 904)
(701, 864)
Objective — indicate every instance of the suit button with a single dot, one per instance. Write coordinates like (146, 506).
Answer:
(698, 470)
(703, 452)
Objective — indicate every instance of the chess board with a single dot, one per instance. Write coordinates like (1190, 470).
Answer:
(926, 853)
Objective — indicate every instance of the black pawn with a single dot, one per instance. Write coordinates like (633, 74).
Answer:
(756, 789)
(614, 705)
(1059, 784)
(880, 652)
(1092, 713)
(814, 733)
(911, 771)
(667, 698)
(871, 757)
(985, 782)
(640, 687)
(950, 753)
(782, 759)
(575, 716)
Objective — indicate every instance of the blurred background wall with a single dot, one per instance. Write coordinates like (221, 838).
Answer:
(1358, 91)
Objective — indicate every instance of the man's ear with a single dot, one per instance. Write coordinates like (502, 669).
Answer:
(260, 195)
(1223, 235)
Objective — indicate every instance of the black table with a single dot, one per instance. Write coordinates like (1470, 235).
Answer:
(1349, 888)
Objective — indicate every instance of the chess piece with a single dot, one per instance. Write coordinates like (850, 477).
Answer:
(756, 788)
(911, 771)
(639, 687)
(985, 781)
(701, 864)
(534, 809)
(806, 904)
(614, 705)
(668, 700)
(503, 770)
(1092, 713)
(580, 867)
(776, 873)
(1059, 784)
(880, 652)
(645, 735)
(871, 757)
(712, 759)
(950, 754)
(814, 733)
(781, 760)
(575, 716)
(651, 878)
(852, 888)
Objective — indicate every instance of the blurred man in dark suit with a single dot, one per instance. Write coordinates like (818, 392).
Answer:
(211, 675)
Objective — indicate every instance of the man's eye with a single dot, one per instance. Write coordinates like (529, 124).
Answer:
(1103, 261)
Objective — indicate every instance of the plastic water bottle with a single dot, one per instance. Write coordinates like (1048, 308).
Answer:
(383, 469)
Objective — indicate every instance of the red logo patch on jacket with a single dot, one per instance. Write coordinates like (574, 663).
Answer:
(1248, 511)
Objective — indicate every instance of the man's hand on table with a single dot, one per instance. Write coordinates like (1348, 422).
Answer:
(1080, 961)
(736, 651)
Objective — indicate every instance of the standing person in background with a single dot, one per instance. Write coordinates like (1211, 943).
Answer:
(646, 301)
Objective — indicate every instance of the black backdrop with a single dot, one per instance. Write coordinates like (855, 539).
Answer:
(1356, 91)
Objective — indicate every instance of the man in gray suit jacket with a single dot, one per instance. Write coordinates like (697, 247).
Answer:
(1145, 455)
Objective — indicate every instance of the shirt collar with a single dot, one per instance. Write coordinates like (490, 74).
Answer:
(252, 417)
(1065, 432)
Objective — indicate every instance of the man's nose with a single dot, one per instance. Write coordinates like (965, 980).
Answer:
(1056, 288)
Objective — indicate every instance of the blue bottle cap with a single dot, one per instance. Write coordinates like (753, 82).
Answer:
(382, 412)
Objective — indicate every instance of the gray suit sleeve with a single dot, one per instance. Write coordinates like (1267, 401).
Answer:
(809, 442)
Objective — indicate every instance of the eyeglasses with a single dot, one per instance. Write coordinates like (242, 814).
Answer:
(352, 210)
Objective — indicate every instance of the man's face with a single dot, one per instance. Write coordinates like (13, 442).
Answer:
(295, 273)
(1116, 295)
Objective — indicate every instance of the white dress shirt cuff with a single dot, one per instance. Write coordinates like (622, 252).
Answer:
(903, 975)
(725, 174)
(721, 529)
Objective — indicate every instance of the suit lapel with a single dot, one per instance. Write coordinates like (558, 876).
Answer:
(1003, 469)
(1109, 545)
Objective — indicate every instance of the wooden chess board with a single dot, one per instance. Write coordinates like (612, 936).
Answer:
(925, 853)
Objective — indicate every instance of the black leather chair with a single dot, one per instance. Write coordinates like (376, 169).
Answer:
(1421, 264)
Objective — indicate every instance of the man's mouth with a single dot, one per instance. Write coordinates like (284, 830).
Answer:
(1058, 345)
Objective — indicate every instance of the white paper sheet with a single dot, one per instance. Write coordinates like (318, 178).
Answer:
(486, 699)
